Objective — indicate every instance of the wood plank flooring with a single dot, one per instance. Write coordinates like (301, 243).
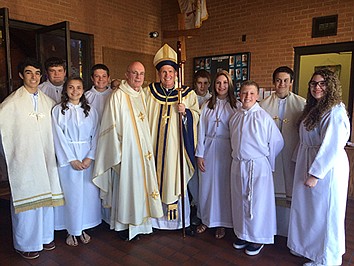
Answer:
(160, 248)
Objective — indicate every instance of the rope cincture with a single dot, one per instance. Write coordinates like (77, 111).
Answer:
(250, 187)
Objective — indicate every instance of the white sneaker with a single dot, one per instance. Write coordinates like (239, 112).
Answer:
(253, 249)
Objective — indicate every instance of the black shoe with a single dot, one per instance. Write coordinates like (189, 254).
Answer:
(195, 221)
(135, 238)
(124, 235)
(253, 249)
(240, 244)
(190, 231)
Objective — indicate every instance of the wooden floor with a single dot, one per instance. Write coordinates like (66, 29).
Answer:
(160, 248)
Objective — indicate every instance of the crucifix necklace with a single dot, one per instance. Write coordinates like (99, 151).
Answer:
(221, 112)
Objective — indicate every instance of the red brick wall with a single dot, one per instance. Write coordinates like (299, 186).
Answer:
(120, 24)
(273, 29)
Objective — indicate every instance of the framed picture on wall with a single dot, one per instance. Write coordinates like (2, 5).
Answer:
(207, 63)
(334, 68)
(238, 66)
(232, 73)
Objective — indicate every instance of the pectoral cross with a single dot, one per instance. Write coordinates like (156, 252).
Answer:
(165, 116)
(217, 121)
(141, 116)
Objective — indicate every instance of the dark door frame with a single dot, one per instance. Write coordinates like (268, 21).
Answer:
(64, 27)
(4, 13)
(324, 49)
(87, 44)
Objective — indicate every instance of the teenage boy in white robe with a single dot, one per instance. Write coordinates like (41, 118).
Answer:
(100, 90)
(255, 142)
(201, 84)
(56, 70)
(26, 132)
(285, 107)
(97, 97)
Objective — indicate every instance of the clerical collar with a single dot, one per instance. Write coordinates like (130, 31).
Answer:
(171, 89)
(286, 96)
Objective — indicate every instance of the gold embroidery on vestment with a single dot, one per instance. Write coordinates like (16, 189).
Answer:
(155, 194)
(141, 116)
(172, 211)
(148, 155)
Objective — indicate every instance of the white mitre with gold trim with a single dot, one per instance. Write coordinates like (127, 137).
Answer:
(165, 56)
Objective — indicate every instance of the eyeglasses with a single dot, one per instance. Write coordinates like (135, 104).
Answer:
(313, 84)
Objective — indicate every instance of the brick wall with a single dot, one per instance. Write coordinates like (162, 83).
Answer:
(273, 29)
(120, 24)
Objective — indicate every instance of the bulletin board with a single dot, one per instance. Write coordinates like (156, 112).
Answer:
(238, 65)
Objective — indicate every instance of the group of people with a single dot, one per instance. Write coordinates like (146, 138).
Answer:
(277, 167)
(274, 167)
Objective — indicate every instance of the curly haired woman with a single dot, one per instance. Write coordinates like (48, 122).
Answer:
(317, 213)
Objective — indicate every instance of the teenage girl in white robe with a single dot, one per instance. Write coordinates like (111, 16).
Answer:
(214, 157)
(75, 136)
(317, 213)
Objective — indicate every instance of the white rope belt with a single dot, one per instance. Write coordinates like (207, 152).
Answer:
(79, 142)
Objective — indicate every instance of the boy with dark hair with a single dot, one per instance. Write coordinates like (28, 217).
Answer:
(56, 71)
(285, 107)
(201, 83)
(100, 90)
(26, 135)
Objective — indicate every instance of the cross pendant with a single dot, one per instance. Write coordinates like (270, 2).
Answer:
(217, 121)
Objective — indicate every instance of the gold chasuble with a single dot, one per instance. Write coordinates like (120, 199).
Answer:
(27, 139)
(124, 146)
(164, 121)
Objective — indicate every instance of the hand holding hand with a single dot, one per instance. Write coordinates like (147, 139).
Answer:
(86, 162)
(77, 165)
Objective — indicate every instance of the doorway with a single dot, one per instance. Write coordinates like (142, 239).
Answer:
(337, 56)
(21, 39)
